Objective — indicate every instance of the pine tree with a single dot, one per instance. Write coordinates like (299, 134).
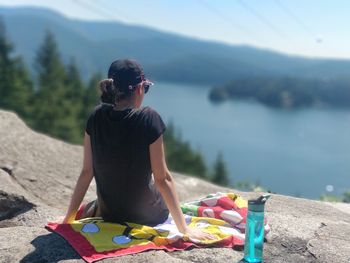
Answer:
(55, 113)
(91, 98)
(220, 175)
(180, 156)
(76, 90)
(16, 89)
(75, 85)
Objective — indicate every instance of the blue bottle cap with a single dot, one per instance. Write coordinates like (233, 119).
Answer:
(258, 205)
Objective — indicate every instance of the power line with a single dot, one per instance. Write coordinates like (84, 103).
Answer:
(96, 9)
(224, 17)
(261, 18)
(297, 20)
(293, 16)
(89, 7)
(108, 11)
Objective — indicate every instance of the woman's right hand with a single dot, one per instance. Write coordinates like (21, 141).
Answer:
(69, 218)
(196, 233)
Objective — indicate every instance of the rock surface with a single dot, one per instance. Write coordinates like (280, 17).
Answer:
(38, 173)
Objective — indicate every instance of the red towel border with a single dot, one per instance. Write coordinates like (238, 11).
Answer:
(89, 254)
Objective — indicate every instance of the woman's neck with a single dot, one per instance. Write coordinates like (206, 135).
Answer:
(123, 105)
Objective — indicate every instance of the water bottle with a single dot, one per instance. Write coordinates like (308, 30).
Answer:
(254, 231)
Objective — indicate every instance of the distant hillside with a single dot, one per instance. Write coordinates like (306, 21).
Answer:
(165, 56)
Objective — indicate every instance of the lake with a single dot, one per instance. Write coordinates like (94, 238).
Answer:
(293, 152)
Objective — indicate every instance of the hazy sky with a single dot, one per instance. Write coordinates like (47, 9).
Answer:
(318, 28)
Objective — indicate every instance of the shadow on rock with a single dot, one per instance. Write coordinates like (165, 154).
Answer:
(12, 205)
(50, 248)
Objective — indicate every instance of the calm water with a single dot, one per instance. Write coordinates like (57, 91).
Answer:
(290, 152)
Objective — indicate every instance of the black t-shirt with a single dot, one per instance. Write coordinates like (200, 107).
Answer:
(121, 163)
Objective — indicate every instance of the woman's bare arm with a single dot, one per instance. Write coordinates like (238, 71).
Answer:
(83, 182)
(165, 183)
(166, 186)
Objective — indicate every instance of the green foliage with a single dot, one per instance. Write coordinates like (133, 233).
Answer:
(333, 198)
(180, 156)
(16, 88)
(287, 92)
(220, 174)
(89, 100)
(248, 186)
(62, 100)
(55, 107)
(346, 197)
(330, 198)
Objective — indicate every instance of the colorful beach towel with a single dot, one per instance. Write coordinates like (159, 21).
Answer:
(221, 214)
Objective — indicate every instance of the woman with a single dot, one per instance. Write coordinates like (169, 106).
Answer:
(123, 146)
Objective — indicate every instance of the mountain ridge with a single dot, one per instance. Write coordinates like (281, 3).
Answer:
(165, 56)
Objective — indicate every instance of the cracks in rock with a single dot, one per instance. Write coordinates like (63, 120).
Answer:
(308, 250)
(7, 170)
(11, 204)
(9, 167)
(316, 235)
(294, 247)
(13, 177)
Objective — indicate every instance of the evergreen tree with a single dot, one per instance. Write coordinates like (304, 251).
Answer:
(76, 91)
(16, 90)
(180, 156)
(54, 111)
(91, 98)
(220, 175)
(22, 95)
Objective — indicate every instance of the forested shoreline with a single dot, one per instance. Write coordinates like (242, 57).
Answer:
(287, 92)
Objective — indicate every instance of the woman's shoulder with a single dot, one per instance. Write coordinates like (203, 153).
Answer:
(148, 114)
(153, 124)
(102, 107)
(147, 110)
(99, 111)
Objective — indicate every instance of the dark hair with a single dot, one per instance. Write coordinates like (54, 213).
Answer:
(111, 94)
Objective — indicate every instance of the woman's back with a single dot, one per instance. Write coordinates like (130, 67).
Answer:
(121, 163)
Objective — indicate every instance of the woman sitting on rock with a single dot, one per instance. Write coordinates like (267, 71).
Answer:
(123, 146)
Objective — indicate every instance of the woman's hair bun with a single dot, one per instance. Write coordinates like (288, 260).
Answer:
(108, 91)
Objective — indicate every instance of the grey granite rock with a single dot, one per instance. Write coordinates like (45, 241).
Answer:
(37, 175)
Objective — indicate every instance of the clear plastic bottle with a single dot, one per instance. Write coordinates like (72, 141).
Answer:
(254, 235)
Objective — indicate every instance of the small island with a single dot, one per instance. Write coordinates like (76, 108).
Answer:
(286, 92)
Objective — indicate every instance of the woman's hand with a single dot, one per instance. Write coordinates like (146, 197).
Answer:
(196, 233)
(68, 219)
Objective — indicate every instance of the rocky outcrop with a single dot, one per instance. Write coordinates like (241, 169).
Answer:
(38, 173)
